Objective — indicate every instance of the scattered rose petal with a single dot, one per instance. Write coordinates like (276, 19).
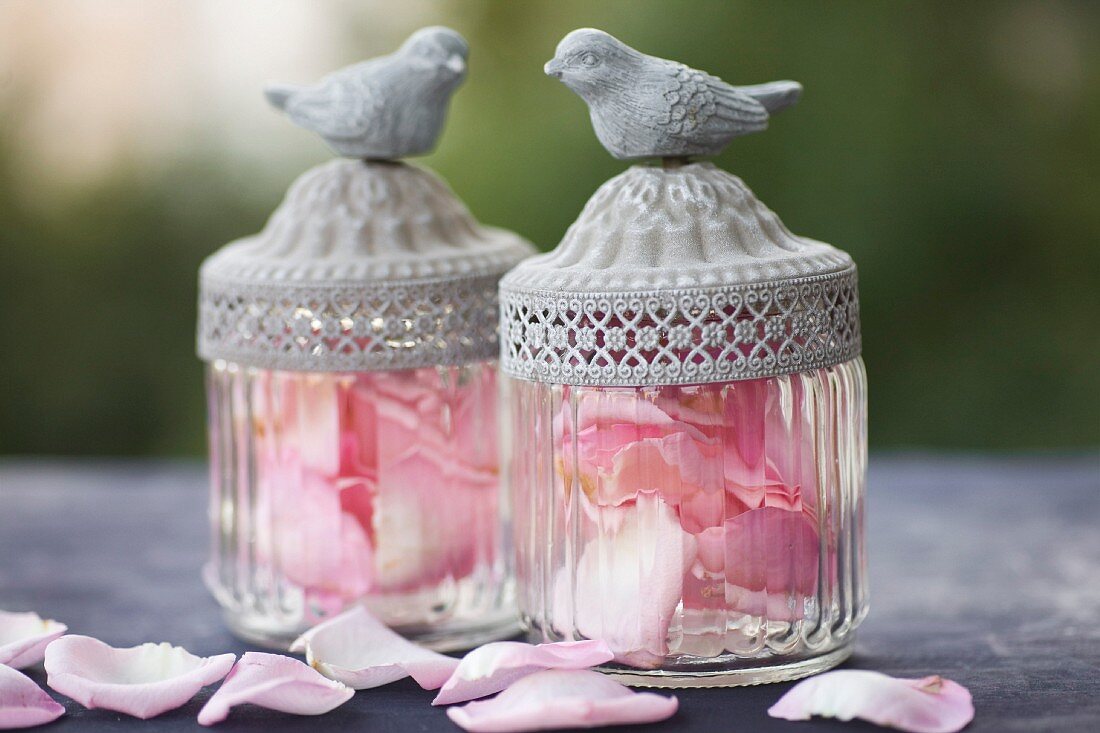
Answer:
(561, 698)
(24, 636)
(23, 704)
(143, 681)
(359, 650)
(928, 705)
(493, 667)
(275, 682)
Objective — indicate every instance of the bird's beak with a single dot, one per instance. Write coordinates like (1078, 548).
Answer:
(553, 68)
(456, 64)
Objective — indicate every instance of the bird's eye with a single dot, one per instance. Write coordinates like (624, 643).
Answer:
(590, 59)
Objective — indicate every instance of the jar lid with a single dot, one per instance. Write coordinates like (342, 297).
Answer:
(364, 266)
(367, 264)
(673, 274)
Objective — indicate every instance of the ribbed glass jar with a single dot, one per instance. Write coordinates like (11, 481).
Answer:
(711, 534)
(331, 488)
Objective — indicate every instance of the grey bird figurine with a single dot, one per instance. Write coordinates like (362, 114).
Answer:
(647, 107)
(388, 107)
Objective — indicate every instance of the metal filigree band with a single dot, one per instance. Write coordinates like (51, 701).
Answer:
(688, 336)
(366, 327)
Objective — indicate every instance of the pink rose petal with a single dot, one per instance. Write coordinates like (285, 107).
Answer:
(628, 582)
(415, 546)
(493, 667)
(24, 636)
(319, 545)
(359, 650)
(430, 445)
(350, 468)
(560, 698)
(143, 681)
(928, 705)
(24, 704)
(275, 682)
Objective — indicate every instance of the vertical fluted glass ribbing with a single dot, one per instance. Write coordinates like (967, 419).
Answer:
(711, 534)
(327, 489)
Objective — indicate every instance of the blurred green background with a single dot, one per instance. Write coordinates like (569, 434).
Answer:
(952, 148)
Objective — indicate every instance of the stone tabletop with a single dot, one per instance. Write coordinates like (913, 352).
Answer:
(984, 569)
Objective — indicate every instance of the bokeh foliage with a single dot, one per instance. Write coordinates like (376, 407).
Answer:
(956, 156)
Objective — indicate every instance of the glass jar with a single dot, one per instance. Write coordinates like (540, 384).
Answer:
(327, 489)
(689, 407)
(350, 352)
(710, 533)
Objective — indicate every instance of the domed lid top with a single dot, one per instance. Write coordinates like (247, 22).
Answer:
(353, 221)
(678, 276)
(696, 225)
(364, 266)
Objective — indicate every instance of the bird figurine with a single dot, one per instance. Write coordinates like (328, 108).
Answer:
(385, 108)
(647, 107)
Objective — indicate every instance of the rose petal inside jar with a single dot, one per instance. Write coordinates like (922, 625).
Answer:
(696, 509)
(378, 485)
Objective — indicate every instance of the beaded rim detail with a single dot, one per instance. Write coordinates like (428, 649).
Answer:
(345, 327)
(681, 336)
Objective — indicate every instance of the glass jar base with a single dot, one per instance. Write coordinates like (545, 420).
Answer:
(462, 638)
(440, 639)
(255, 631)
(757, 675)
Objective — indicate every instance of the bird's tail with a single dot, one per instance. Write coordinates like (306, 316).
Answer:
(278, 94)
(775, 95)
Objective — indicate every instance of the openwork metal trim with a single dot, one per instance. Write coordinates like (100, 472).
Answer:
(687, 336)
(366, 327)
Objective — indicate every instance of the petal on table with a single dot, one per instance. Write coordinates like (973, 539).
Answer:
(927, 705)
(275, 682)
(24, 636)
(359, 650)
(23, 704)
(558, 698)
(143, 681)
(493, 667)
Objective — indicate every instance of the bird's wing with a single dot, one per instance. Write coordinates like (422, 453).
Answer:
(745, 112)
(774, 95)
(701, 104)
(343, 105)
(683, 100)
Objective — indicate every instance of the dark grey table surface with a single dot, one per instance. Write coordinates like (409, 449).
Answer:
(983, 569)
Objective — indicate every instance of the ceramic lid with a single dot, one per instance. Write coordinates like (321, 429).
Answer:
(674, 273)
(686, 227)
(366, 264)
